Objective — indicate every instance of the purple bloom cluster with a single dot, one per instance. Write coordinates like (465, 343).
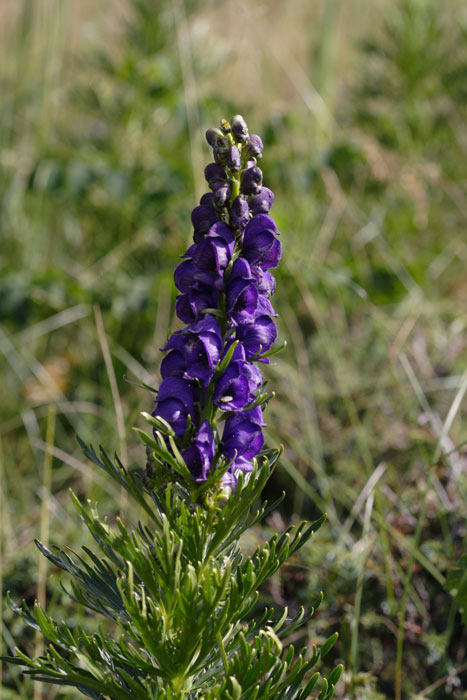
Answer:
(225, 285)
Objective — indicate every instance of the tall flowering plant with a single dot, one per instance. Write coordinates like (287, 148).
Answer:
(177, 590)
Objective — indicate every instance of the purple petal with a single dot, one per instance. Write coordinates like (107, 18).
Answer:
(264, 307)
(239, 213)
(199, 455)
(207, 199)
(264, 280)
(241, 269)
(242, 301)
(184, 275)
(245, 438)
(259, 223)
(254, 377)
(208, 324)
(257, 336)
(260, 246)
(174, 412)
(262, 202)
(221, 230)
(232, 391)
(202, 215)
(233, 159)
(211, 258)
(174, 387)
(173, 364)
(184, 309)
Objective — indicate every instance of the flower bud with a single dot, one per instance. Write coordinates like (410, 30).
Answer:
(254, 147)
(239, 128)
(218, 143)
(251, 182)
(239, 213)
(249, 164)
(213, 135)
(213, 173)
(221, 194)
(262, 202)
(225, 126)
(206, 199)
(233, 159)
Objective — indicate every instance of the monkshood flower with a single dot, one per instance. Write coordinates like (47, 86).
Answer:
(212, 395)
(178, 586)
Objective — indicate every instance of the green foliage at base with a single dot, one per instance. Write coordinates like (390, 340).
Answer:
(179, 592)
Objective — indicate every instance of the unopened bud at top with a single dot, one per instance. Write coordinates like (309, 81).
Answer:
(239, 128)
(219, 144)
(225, 126)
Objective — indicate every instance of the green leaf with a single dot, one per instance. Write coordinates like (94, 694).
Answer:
(335, 675)
(328, 644)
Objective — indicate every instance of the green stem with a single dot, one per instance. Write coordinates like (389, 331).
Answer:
(235, 188)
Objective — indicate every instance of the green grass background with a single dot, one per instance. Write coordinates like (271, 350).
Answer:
(362, 109)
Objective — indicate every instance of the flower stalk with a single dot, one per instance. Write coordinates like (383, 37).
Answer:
(210, 373)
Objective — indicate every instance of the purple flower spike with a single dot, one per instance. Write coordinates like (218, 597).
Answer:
(199, 455)
(225, 286)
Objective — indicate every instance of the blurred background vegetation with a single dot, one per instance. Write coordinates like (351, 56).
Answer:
(362, 108)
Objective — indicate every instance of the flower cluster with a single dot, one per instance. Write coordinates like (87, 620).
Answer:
(209, 372)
